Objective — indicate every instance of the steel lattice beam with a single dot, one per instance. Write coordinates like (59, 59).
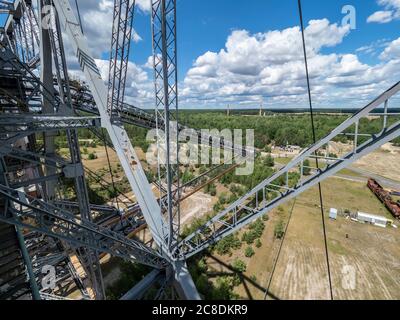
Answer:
(6, 7)
(271, 193)
(13, 128)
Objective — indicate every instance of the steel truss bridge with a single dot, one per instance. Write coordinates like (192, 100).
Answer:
(41, 225)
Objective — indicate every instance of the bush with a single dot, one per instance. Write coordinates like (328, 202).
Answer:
(202, 283)
(279, 231)
(269, 161)
(211, 189)
(218, 207)
(223, 198)
(202, 265)
(223, 289)
(256, 231)
(236, 280)
(92, 156)
(265, 217)
(239, 266)
(186, 177)
(258, 243)
(258, 227)
(248, 237)
(249, 252)
(306, 171)
(225, 246)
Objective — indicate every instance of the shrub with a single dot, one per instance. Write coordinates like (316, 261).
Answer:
(92, 156)
(186, 177)
(239, 266)
(269, 161)
(236, 281)
(256, 231)
(223, 289)
(202, 265)
(211, 189)
(223, 198)
(224, 246)
(248, 237)
(279, 231)
(249, 252)
(218, 207)
(202, 283)
(306, 169)
(258, 243)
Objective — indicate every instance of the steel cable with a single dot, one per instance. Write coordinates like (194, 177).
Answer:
(315, 140)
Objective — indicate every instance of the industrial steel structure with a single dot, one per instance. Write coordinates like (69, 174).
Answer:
(41, 225)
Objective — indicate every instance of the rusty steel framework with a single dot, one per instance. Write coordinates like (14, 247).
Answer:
(45, 214)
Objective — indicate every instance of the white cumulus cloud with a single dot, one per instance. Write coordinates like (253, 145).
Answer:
(391, 12)
(270, 66)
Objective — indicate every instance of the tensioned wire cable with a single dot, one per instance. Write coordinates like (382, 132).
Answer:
(110, 170)
(317, 165)
(79, 15)
(315, 140)
(279, 251)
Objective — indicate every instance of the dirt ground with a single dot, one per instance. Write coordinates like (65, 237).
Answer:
(101, 161)
(196, 206)
(370, 253)
(384, 162)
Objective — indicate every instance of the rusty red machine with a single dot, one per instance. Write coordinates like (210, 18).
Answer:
(385, 197)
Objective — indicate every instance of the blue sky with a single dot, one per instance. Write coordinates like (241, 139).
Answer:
(205, 25)
(230, 51)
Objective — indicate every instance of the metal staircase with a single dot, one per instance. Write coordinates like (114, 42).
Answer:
(14, 282)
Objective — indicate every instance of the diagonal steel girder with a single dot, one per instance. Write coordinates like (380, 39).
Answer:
(125, 151)
(271, 193)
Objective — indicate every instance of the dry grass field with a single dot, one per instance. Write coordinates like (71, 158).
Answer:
(301, 273)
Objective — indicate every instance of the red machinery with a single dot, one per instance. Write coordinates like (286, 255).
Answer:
(385, 197)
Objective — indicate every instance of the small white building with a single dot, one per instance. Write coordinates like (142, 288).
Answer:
(333, 213)
(373, 219)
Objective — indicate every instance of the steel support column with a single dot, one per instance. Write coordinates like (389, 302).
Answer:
(46, 77)
(166, 91)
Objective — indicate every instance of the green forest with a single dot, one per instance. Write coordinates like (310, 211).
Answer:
(280, 129)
